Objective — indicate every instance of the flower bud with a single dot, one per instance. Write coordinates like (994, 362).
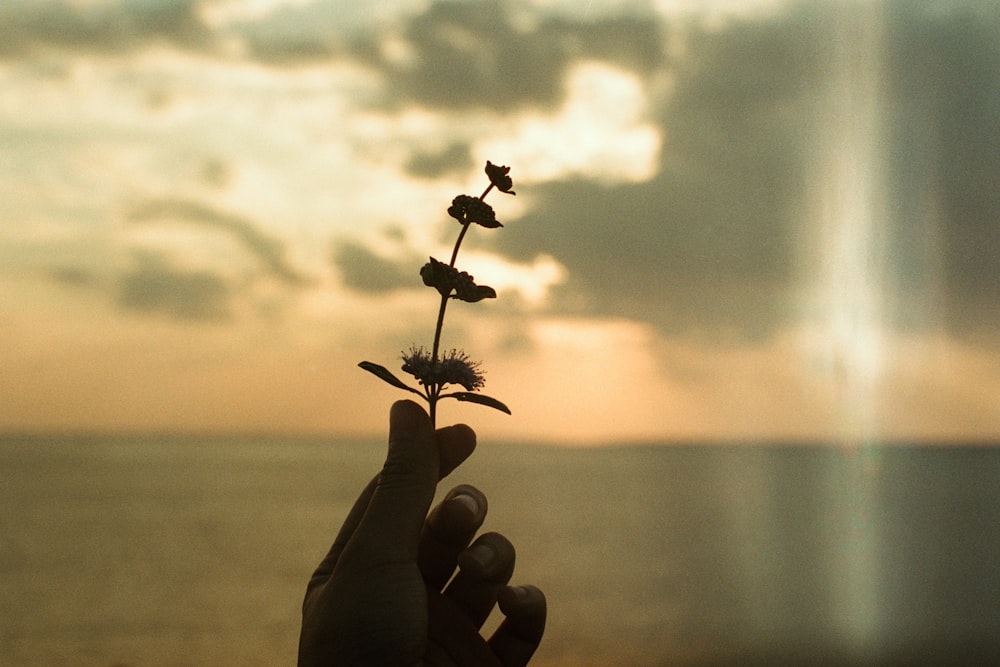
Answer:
(499, 177)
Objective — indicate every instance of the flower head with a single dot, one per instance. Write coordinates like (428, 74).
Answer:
(468, 209)
(454, 367)
(500, 177)
(457, 368)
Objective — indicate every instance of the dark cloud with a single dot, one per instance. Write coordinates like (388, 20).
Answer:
(475, 55)
(710, 245)
(73, 276)
(943, 64)
(665, 252)
(112, 27)
(291, 51)
(363, 270)
(707, 244)
(269, 251)
(456, 157)
(291, 38)
(155, 287)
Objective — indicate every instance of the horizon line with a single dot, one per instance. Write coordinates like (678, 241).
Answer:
(9, 435)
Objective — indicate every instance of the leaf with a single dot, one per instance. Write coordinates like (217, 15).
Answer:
(473, 293)
(470, 397)
(383, 373)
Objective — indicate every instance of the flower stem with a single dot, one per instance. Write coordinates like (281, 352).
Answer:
(458, 243)
(434, 392)
(432, 400)
(437, 329)
(465, 228)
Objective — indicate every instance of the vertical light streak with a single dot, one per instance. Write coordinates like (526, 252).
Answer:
(849, 218)
(846, 257)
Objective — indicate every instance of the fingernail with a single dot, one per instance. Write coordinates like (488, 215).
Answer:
(520, 593)
(467, 501)
(403, 416)
(481, 554)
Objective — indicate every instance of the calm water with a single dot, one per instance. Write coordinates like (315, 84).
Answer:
(145, 553)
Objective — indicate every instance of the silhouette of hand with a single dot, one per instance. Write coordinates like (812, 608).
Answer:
(382, 597)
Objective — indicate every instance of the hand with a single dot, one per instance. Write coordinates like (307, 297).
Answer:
(379, 598)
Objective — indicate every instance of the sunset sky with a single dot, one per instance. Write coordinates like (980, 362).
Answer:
(735, 219)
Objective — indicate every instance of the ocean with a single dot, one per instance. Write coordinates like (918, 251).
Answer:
(157, 552)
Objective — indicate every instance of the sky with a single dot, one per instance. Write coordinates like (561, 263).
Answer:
(735, 220)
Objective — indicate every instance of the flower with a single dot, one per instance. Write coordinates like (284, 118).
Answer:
(499, 177)
(440, 276)
(418, 363)
(468, 209)
(454, 367)
(447, 279)
(457, 368)
(435, 371)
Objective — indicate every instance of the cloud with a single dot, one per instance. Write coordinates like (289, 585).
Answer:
(706, 245)
(299, 41)
(27, 28)
(946, 150)
(701, 239)
(710, 240)
(661, 252)
(712, 245)
(155, 287)
(600, 131)
(269, 251)
(467, 55)
(73, 276)
(431, 164)
(295, 33)
(361, 269)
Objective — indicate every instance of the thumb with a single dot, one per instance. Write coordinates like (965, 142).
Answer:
(390, 528)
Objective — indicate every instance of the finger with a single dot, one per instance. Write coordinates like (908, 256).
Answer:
(484, 568)
(455, 444)
(517, 638)
(452, 639)
(390, 528)
(325, 568)
(448, 530)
